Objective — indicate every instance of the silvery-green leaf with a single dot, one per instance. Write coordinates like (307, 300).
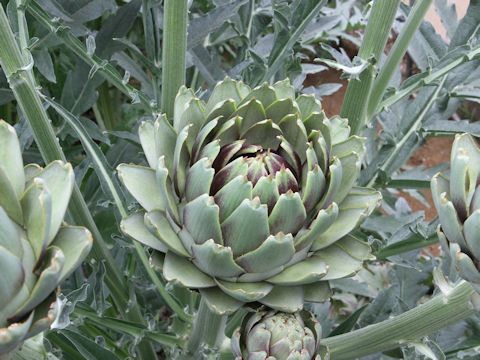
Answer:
(222, 111)
(251, 113)
(201, 219)
(180, 270)
(11, 161)
(141, 182)
(37, 210)
(264, 133)
(350, 170)
(358, 204)
(288, 214)
(165, 139)
(307, 271)
(226, 90)
(325, 218)
(134, 226)
(318, 292)
(75, 243)
(182, 100)
(285, 298)
(263, 93)
(58, 178)
(308, 105)
(284, 89)
(14, 335)
(279, 109)
(471, 231)
(11, 280)
(352, 144)
(47, 282)
(215, 260)
(467, 268)
(199, 179)
(146, 133)
(10, 235)
(159, 226)
(344, 258)
(8, 199)
(231, 195)
(247, 227)
(277, 250)
(219, 302)
(245, 292)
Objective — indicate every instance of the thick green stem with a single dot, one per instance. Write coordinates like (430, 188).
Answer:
(174, 50)
(396, 54)
(208, 331)
(425, 319)
(21, 82)
(354, 106)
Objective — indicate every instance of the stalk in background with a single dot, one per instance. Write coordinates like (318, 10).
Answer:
(174, 51)
(355, 103)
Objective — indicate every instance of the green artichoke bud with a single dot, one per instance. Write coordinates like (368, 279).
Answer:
(37, 252)
(250, 196)
(277, 336)
(457, 200)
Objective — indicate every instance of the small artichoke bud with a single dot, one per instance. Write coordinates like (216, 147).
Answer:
(276, 335)
(457, 200)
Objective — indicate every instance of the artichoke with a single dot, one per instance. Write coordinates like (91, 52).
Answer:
(277, 336)
(37, 252)
(250, 196)
(457, 200)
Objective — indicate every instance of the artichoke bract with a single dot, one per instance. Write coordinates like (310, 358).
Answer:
(457, 200)
(277, 336)
(250, 196)
(37, 251)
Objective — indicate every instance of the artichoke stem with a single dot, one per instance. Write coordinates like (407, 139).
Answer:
(208, 332)
(445, 309)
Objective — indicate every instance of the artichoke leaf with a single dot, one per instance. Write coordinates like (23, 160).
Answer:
(11, 158)
(165, 238)
(215, 260)
(13, 335)
(201, 219)
(344, 258)
(8, 198)
(245, 292)
(276, 251)
(284, 298)
(358, 204)
(47, 282)
(219, 302)
(75, 243)
(178, 269)
(11, 279)
(141, 182)
(37, 209)
(247, 227)
(134, 226)
(58, 178)
(308, 271)
(251, 113)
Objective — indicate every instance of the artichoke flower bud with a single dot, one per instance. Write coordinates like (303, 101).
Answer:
(277, 336)
(250, 197)
(37, 251)
(457, 200)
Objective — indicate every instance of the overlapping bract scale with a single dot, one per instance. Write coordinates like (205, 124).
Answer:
(37, 251)
(251, 196)
(457, 200)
